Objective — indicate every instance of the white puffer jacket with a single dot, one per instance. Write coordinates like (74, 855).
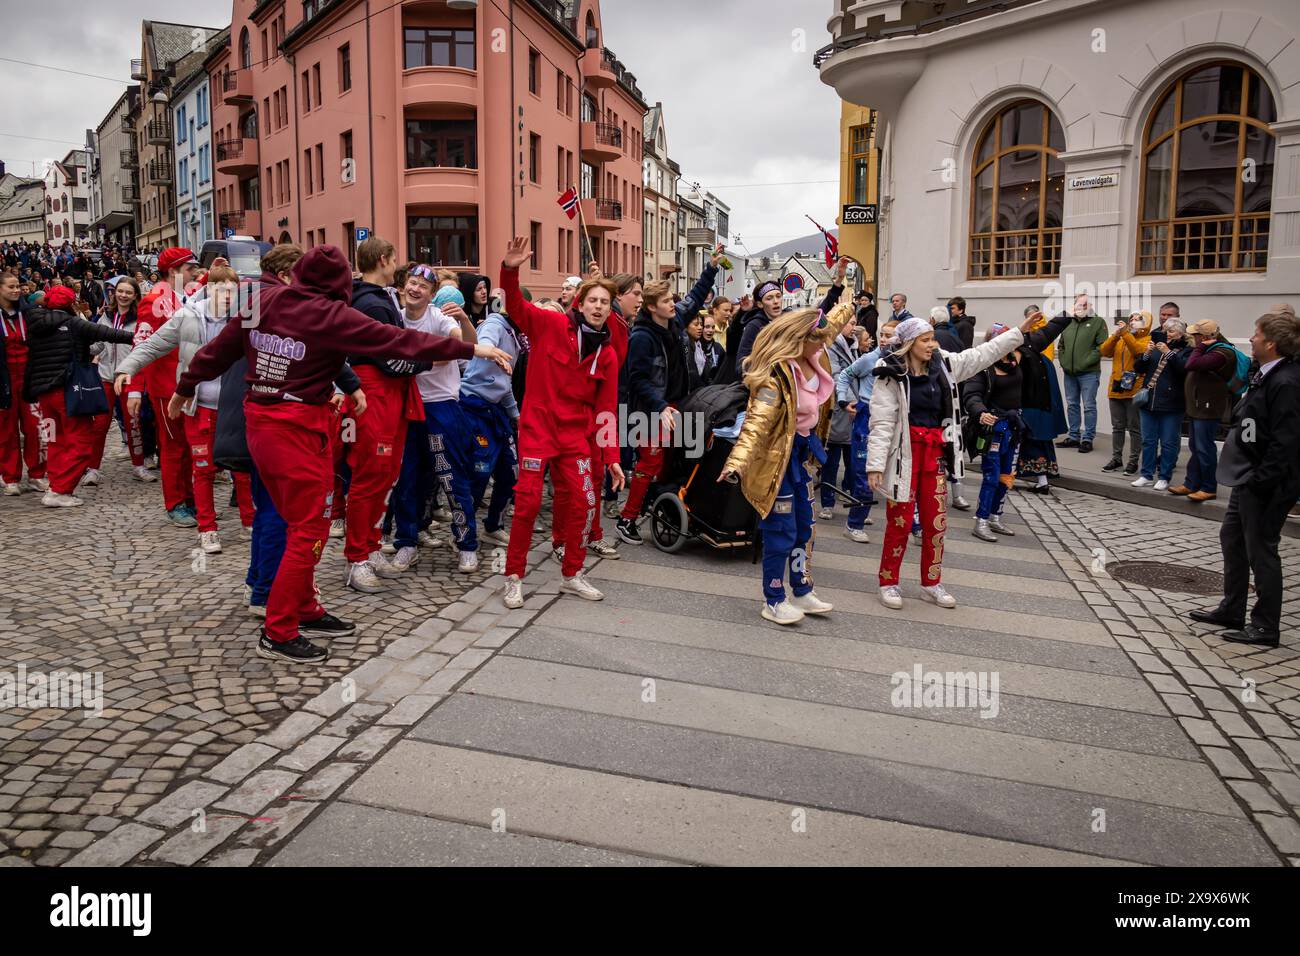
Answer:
(889, 447)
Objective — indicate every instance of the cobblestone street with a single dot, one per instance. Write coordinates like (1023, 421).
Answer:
(113, 587)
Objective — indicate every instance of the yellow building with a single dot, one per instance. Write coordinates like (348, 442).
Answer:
(859, 201)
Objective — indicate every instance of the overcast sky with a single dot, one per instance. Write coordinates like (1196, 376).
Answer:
(742, 101)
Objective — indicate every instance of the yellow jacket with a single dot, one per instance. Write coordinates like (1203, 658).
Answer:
(1124, 348)
(762, 451)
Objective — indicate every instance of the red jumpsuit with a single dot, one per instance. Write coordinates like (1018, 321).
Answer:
(20, 423)
(159, 379)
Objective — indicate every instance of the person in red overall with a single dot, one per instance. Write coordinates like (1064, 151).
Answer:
(179, 270)
(572, 378)
(393, 399)
(295, 349)
(915, 444)
(20, 421)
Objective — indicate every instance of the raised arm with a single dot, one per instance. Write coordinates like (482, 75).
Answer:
(530, 318)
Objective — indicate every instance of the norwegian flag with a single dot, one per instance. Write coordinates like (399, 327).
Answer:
(569, 202)
(832, 244)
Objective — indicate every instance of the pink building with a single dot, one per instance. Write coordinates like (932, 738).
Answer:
(444, 130)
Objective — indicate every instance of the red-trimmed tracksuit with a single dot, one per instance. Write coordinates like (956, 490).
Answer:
(20, 423)
(305, 332)
(929, 488)
(159, 380)
(566, 393)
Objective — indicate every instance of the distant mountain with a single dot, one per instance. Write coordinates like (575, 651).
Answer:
(812, 245)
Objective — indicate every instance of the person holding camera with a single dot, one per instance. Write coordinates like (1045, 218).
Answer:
(1161, 405)
(1124, 347)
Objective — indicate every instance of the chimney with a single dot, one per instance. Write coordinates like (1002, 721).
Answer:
(2, 168)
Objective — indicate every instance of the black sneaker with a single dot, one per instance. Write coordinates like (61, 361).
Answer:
(1130, 471)
(1085, 447)
(328, 625)
(627, 531)
(298, 651)
(1113, 465)
(1068, 443)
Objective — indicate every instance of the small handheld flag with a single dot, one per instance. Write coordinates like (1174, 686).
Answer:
(569, 202)
(832, 244)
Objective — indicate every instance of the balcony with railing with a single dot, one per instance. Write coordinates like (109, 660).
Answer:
(137, 70)
(597, 68)
(130, 194)
(237, 86)
(858, 22)
(129, 158)
(128, 123)
(158, 132)
(600, 142)
(237, 157)
(160, 173)
(602, 215)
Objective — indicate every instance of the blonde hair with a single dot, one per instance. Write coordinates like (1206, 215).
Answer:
(222, 274)
(784, 339)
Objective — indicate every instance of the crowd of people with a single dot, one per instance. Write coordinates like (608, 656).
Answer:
(385, 405)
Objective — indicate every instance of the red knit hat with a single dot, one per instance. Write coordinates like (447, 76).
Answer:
(174, 258)
(59, 297)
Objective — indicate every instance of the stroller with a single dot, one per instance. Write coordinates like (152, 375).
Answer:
(689, 501)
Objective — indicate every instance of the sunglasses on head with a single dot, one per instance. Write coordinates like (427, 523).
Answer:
(424, 272)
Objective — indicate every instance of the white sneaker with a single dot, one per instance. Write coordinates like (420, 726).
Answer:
(856, 534)
(256, 610)
(514, 594)
(151, 462)
(222, 478)
(12, 488)
(428, 540)
(825, 515)
(141, 473)
(891, 597)
(579, 585)
(782, 613)
(38, 484)
(1140, 482)
(468, 562)
(868, 522)
(362, 577)
(404, 559)
(557, 554)
(338, 528)
(499, 536)
(92, 477)
(248, 531)
(939, 595)
(210, 542)
(1161, 485)
(53, 499)
(604, 549)
(386, 545)
(810, 603)
(382, 565)
(442, 516)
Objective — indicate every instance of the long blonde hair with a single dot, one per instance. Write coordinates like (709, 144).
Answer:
(784, 338)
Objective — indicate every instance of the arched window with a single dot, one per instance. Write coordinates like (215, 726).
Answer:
(245, 50)
(1207, 174)
(65, 202)
(593, 35)
(1016, 195)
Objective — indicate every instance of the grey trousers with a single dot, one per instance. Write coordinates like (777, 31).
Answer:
(1125, 418)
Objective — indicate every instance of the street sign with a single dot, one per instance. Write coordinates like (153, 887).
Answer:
(793, 283)
(858, 214)
(1094, 182)
(229, 233)
(362, 233)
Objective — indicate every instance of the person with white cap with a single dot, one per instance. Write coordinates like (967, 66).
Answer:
(568, 290)
(916, 442)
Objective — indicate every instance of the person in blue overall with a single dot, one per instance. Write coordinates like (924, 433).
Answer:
(789, 380)
(491, 413)
(853, 391)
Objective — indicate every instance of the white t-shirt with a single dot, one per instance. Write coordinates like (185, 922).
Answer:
(442, 382)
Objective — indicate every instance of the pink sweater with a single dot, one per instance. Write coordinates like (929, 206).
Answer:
(812, 395)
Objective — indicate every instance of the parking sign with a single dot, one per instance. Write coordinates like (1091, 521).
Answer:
(362, 234)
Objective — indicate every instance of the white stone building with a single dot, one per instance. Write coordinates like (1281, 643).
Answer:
(1148, 150)
(67, 198)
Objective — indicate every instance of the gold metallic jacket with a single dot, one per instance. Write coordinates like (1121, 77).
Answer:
(762, 452)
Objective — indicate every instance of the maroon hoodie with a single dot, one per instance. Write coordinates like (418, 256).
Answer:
(305, 332)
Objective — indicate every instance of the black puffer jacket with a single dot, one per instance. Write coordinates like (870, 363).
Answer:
(55, 338)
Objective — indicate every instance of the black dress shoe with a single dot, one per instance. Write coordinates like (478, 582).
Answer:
(1254, 635)
(1085, 447)
(1217, 619)
(1068, 443)
(1113, 465)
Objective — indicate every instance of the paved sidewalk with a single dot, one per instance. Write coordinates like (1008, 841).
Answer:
(112, 588)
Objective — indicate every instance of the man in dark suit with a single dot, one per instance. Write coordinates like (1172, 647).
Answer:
(1261, 463)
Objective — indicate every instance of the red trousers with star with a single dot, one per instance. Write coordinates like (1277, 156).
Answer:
(70, 440)
(929, 489)
(376, 459)
(290, 445)
(20, 431)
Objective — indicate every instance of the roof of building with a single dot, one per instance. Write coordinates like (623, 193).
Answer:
(812, 245)
(173, 41)
(196, 67)
(25, 202)
(650, 125)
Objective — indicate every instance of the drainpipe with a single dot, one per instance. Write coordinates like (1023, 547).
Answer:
(515, 121)
(370, 129)
(293, 85)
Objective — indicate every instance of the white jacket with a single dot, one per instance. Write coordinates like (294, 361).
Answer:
(889, 446)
